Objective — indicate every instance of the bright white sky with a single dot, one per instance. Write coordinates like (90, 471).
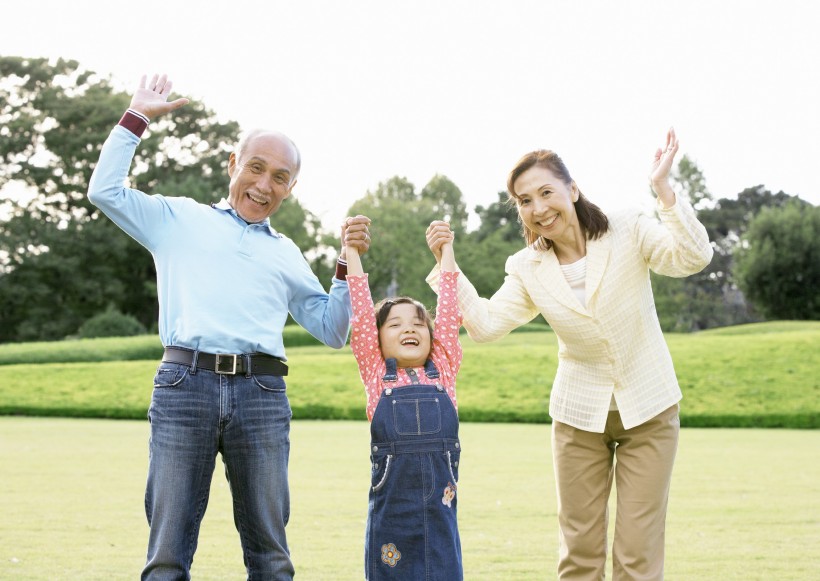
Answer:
(376, 88)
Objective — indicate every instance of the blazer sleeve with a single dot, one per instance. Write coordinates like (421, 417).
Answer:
(491, 319)
(678, 246)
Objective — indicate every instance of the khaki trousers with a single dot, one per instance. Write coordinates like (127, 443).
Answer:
(640, 460)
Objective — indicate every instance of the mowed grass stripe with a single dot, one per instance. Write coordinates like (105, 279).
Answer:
(730, 378)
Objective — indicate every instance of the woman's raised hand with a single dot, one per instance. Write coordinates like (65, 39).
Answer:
(661, 168)
(662, 163)
(438, 234)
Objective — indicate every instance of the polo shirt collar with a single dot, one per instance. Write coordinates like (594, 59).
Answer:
(225, 206)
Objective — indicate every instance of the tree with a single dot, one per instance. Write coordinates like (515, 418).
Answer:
(688, 304)
(447, 202)
(61, 262)
(713, 297)
(483, 262)
(398, 261)
(298, 224)
(779, 265)
(483, 253)
(690, 181)
(727, 222)
(499, 217)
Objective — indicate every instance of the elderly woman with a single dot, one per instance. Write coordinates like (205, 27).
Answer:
(614, 401)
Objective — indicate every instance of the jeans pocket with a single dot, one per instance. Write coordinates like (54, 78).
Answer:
(273, 383)
(170, 374)
(379, 470)
(414, 417)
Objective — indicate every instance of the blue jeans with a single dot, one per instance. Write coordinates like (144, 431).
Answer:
(194, 414)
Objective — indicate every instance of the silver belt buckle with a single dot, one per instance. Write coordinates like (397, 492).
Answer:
(225, 364)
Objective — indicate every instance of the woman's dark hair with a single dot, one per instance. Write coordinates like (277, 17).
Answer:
(592, 219)
(383, 307)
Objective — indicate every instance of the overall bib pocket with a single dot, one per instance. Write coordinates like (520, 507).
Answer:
(416, 417)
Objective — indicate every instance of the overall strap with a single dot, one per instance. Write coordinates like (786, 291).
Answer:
(390, 373)
(430, 370)
(391, 370)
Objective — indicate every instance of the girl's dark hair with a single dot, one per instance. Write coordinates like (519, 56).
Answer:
(592, 219)
(383, 311)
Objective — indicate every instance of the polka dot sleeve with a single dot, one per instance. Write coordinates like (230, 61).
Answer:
(447, 352)
(364, 340)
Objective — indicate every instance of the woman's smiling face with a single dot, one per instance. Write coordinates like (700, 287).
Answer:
(546, 204)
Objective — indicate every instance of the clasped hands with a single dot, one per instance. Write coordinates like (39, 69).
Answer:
(356, 234)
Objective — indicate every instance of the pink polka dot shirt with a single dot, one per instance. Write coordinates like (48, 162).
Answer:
(446, 350)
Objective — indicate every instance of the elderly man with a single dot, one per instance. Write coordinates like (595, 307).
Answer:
(226, 281)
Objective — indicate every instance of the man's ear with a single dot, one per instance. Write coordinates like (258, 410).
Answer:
(290, 188)
(231, 164)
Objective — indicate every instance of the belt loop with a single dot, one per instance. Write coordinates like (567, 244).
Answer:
(247, 357)
(194, 361)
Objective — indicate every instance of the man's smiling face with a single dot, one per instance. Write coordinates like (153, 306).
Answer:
(263, 174)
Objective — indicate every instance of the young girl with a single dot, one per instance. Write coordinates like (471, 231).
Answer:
(409, 373)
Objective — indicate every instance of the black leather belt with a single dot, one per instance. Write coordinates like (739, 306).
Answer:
(260, 364)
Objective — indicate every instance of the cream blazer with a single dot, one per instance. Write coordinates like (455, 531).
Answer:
(614, 344)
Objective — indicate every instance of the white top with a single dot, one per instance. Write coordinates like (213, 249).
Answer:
(576, 274)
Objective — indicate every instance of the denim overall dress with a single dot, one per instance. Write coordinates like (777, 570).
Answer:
(412, 532)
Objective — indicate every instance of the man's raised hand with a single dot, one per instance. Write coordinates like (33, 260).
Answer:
(151, 98)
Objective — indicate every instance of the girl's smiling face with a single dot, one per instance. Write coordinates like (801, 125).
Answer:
(405, 336)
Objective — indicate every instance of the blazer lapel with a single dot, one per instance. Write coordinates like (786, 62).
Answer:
(598, 252)
(549, 274)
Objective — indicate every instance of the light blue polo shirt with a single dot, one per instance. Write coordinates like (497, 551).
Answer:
(224, 286)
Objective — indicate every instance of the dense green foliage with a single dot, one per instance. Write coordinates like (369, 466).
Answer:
(762, 375)
(779, 269)
(713, 297)
(398, 260)
(63, 263)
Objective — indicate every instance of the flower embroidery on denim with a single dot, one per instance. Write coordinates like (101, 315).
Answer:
(390, 554)
(449, 495)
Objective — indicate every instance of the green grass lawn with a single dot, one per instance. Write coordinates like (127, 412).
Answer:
(745, 504)
(762, 375)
